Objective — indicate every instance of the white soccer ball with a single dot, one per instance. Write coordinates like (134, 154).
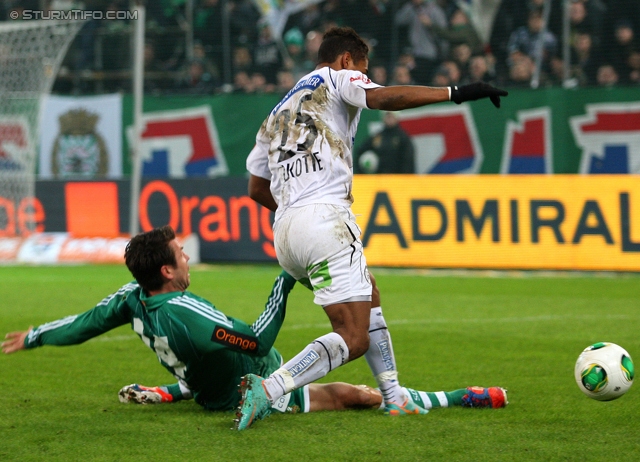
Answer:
(604, 371)
(368, 162)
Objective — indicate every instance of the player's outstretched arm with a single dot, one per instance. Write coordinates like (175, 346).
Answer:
(14, 341)
(396, 98)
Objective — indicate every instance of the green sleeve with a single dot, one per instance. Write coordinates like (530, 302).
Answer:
(216, 330)
(267, 326)
(110, 313)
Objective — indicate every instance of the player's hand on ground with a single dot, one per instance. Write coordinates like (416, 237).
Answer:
(475, 91)
(14, 341)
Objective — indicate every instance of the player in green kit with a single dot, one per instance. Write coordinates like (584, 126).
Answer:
(205, 350)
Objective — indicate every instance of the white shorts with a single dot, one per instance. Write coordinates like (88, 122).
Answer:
(320, 244)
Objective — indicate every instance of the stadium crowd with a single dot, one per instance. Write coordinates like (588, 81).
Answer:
(428, 42)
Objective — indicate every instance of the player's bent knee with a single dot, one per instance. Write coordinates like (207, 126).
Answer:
(358, 345)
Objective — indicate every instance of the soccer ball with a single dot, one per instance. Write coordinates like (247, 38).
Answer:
(604, 371)
(369, 162)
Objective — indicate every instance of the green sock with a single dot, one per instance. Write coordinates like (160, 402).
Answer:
(430, 400)
(173, 390)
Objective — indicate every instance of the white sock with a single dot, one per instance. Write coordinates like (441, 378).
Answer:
(314, 362)
(186, 391)
(381, 359)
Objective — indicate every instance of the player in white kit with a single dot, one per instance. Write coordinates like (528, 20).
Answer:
(301, 168)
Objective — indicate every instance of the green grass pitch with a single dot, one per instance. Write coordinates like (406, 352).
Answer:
(449, 331)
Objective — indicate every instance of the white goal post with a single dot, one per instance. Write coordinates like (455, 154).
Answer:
(30, 56)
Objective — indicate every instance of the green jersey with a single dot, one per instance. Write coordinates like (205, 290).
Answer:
(197, 343)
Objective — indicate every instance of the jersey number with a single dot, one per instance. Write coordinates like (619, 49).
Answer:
(162, 349)
(282, 124)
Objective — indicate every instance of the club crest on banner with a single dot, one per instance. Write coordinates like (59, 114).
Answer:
(180, 143)
(609, 136)
(81, 137)
(79, 150)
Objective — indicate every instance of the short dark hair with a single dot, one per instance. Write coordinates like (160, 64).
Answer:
(146, 253)
(339, 40)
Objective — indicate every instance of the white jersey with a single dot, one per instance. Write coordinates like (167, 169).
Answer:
(304, 145)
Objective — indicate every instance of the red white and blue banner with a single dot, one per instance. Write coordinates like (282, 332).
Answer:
(445, 139)
(180, 143)
(609, 136)
(528, 147)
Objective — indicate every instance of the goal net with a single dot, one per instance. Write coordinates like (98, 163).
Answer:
(30, 55)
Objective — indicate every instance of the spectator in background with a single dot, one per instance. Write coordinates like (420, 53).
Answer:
(402, 76)
(524, 42)
(585, 60)
(389, 151)
(441, 78)
(198, 52)
(521, 72)
(634, 68)
(242, 82)
(286, 81)
(371, 18)
(197, 80)
(479, 70)
(507, 20)
(578, 21)
(307, 20)
(85, 58)
(260, 83)
(242, 60)
(461, 55)
(407, 59)
(586, 16)
(378, 73)
(154, 81)
(208, 28)
(243, 18)
(312, 42)
(294, 62)
(267, 59)
(460, 31)
(617, 10)
(161, 13)
(607, 76)
(453, 70)
(556, 12)
(419, 17)
(625, 43)
(511, 15)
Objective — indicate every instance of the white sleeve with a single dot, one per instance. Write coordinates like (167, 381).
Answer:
(352, 85)
(258, 159)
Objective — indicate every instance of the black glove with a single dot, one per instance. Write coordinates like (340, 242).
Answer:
(475, 91)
